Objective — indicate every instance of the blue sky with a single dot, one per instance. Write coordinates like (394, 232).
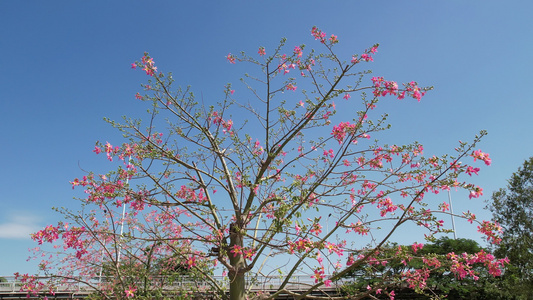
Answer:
(66, 65)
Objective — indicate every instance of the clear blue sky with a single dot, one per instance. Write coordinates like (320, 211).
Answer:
(66, 65)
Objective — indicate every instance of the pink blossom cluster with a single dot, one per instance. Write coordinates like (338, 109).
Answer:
(478, 154)
(231, 58)
(476, 192)
(416, 278)
(470, 170)
(462, 266)
(366, 186)
(413, 90)
(444, 207)
(312, 199)
(298, 51)
(432, 262)
(148, 65)
(72, 240)
(190, 195)
(383, 88)
(301, 245)
(318, 34)
(126, 151)
(491, 230)
(316, 228)
(83, 182)
(218, 120)
(328, 154)
(469, 216)
(367, 56)
(359, 228)
(374, 261)
(339, 131)
(417, 246)
(258, 149)
(31, 284)
(319, 276)
(495, 266)
(49, 234)
(290, 87)
(99, 191)
(71, 237)
(386, 206)
(248, 253)
(286, 67)
(335, 248)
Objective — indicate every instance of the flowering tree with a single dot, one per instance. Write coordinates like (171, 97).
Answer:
(430, 264)
(245, 188)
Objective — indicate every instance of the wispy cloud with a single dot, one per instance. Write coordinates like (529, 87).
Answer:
(18, 226)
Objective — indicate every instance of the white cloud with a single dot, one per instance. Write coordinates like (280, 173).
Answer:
(18, 226)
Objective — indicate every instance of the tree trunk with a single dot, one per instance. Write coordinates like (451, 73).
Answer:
(237, 277)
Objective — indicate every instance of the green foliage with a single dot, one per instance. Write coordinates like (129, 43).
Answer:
(445, 245)
(512, 208)
(440, 284)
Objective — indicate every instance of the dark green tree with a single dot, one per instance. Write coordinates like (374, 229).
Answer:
(512, 208)
(445, 245)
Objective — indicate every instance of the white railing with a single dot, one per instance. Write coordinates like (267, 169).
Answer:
(261, 283)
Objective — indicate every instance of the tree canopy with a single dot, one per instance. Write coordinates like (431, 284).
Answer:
(512, 208)
(243, 186)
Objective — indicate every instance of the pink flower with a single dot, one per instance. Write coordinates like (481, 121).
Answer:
(261, 51)
(346, 96)
(478, 154)
(366, 57)
(298, 51)
(230, 58)
(149, 66)
(237, 250)
(327, 283)
(290, 87)
(416, 246)
(133, 66)
(476, 193)
(130, 292)
(471, 170)
(318, 34)
(319, 275)
(191, 262)
(298, 229)
(339, 132)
